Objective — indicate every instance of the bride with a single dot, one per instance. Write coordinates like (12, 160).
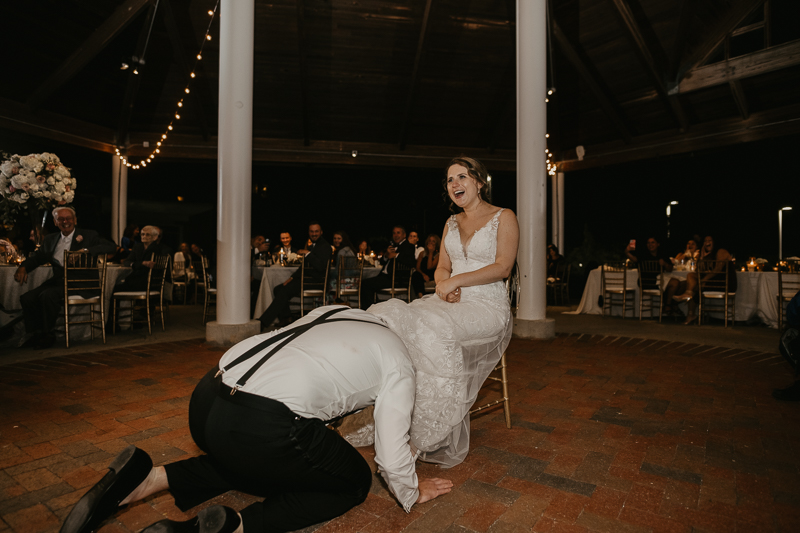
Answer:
(456, 337)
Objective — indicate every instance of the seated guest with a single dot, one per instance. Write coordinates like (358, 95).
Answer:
(286, 245)
(692, 251)
(399, 250)
(319, 256)
(342, 247)
(650, 253)
(141, 260)
(182, 265)
(426, 265)
(129, 237)
(258, 245)
(413, 238)
(365, 252)
(725, 268)
(674, 285)
(554, 260)
(41, 306)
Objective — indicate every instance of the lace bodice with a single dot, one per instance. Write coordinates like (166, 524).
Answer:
(480, 251)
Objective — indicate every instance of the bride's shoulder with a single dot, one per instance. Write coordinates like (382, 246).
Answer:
(504, 214)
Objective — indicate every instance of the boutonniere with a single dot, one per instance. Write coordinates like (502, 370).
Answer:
(79, 238)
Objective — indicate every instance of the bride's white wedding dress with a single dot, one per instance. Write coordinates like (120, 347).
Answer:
(454, 346)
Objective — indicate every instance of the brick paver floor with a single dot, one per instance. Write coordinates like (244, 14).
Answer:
(610, 435)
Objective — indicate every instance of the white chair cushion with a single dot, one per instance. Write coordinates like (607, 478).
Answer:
(651, 291)
(132, 293)
(87, 300)
(212, 291)
(717, 294)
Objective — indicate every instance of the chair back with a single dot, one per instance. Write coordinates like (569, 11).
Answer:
(83, 271)
(718, 283)
(204, 266)
(614, 276)
(157, 276)
(401, 277)
(651, 275)
(788, 278)
(310, 280)
(349, 274)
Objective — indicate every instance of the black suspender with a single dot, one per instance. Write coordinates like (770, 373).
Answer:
(279, 341)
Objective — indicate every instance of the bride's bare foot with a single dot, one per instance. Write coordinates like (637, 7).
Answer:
(156, 481)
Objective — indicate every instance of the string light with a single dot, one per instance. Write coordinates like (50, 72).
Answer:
(192, 75)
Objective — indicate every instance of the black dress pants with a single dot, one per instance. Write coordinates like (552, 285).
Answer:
(279, 308)
(306, 473)
(42, 306)
(370, 286)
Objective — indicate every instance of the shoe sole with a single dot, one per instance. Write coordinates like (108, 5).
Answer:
(84, 517)
(211, 520)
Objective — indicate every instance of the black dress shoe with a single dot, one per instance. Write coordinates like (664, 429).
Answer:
(127, 472)
(215, 519)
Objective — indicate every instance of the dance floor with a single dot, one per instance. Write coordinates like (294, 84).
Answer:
(609, 434)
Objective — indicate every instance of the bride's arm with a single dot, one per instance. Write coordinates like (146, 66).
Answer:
(507, 244)
(444, 268)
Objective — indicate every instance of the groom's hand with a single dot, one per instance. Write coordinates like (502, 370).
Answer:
(432, 488)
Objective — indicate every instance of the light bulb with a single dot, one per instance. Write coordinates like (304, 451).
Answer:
(177, 116)
(192, 74)
(169, 127)
(158, 143)
(180, 104)
(208, 37)
(186, 90)
(164, 136)
(158, 151)
(199, 56)
(210, 12)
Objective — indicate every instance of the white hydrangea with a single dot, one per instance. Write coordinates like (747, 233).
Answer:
(69, 196)
(9, 168)
(62, 172)
(51, 180)
(59, 187)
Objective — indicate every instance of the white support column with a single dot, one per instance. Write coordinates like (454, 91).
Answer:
(119, 198)
(531, 321)
(560, 184)
(234, 174)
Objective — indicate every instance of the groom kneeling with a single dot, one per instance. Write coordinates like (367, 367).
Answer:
(260, 418)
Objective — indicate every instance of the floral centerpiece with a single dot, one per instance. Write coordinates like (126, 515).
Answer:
(33, 183)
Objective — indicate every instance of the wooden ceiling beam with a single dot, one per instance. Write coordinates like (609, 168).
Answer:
(414, 76)
(87, 51)
(302, 48)
(578, 58)
(752, 64)
(714, 33)
(740, 98)
(135, 74)
(650, 52)
(18, 117)
(758, 126)
(180, 55)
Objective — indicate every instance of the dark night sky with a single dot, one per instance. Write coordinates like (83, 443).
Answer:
(732, 193)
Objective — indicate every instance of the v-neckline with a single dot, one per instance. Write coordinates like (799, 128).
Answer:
(465, 246)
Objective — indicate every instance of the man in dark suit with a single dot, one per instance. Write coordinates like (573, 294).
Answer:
(141, 259)
(400, 250)
(319, 257)
(42, 305)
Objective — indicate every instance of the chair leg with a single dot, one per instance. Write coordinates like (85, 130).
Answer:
(66, 322)
(149, 327)
(114, 303)
(504, 376)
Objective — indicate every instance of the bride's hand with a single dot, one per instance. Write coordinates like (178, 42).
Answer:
(446, 287)
(454, 297)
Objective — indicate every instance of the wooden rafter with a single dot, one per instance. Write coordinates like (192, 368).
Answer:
(302, 48)
(87, 50)
(739, 97)
(135, 75)
(650, 52)
(180, 55)
(744, 66)
(577, 57)
(713, 36)
(414, 75)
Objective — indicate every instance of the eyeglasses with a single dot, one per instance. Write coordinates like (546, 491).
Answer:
(64, 219)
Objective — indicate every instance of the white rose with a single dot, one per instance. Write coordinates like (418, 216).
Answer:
(51, 181)
(46, 194)
(62, 172)
(74, 184)
(69, 196)
(23, 197)
(60, 188)
(18, 181)
(9, 168)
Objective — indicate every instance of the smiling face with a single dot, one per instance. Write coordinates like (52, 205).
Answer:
(314, 232)
(65, 220)
(362, 247)
(286, 239)
(337, 240)
(258, 240)
(398, 235)
(708, 244)
(413, 237)
(691, 246)
(462, 188)
(196, 250)
(652, 245)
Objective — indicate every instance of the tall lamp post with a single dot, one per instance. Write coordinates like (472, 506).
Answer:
(780, 230)
(669, 212)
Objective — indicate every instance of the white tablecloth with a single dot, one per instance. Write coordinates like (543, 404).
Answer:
(11, 292)
(273, 276)
(755, 295)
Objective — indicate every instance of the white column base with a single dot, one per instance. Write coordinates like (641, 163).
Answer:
(534, 329)
(230, 334)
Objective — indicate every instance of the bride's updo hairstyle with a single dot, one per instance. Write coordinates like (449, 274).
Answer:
(476, 170)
